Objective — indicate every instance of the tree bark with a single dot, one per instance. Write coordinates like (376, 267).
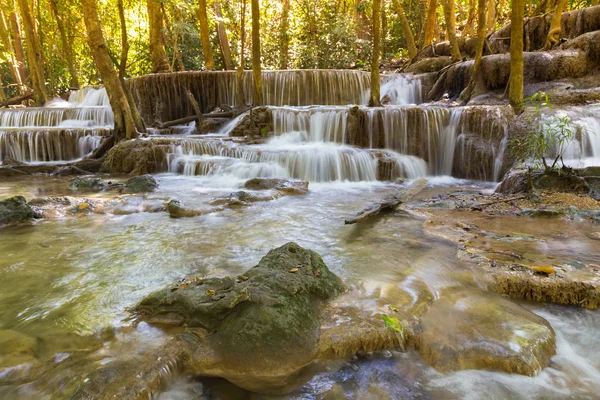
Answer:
(34, 55)
(450, 17)
(554, 33)
(18, 45)
(468, 31)
(374, 99)
(124, 40)
(491, 16)
(158, 57)
(408, 36)
(124, 122)
(222, 34)
(177, 63)
(431, 21)
(67, 49)
(209, 61)
(8, 46)
(256, 64)
(284, 36)
(515, 92)
(240, 98)
(466, 94)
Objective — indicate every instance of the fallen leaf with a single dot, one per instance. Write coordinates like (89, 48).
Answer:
(393, 323)
(318, 272)
(244, 278)
(211, 292)
(83, 206)
(294, 270)
(544, 269)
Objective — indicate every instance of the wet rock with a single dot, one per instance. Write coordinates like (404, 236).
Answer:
(257, 122)
(261, 330)
(37, 169)
(286, 186)
(136, 157)
(543, 212)
(177, 209)
(15, 209)
(141, 184)
(90, 165)
(11, 162)
(485, 331)
(242, 198)
(89, 183)
(209, 125)
(515, 181)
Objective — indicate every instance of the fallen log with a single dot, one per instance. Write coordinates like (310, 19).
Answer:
(389, 203)
(180, 121)
(16, 100)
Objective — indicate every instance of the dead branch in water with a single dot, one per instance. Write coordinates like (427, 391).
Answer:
(16, 100)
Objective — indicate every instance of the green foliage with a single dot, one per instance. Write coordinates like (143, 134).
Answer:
(393, 323)
(548, 136)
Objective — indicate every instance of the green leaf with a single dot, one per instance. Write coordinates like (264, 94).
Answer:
(393, 323)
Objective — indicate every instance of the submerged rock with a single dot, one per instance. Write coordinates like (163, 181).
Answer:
(177, 209)
(485, 331)
(262, 327)
(141, 184)
(242, 198)
(16, 348)
(287, 186)
(89, 183)
(15, 209)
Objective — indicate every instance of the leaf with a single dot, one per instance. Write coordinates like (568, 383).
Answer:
(211, 292)
(293, 270)
(393, 308)
(393, 323)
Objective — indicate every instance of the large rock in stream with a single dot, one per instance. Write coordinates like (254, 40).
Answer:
(15, 210)
(263, 327)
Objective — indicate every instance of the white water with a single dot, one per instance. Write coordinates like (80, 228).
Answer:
(61, 131)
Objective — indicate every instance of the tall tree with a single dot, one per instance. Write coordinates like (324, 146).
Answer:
(34, 54)
(515, 90)
(554, 32)
(450, 17)
(408, 35)
(256, 63)
(374, 99)
(158, 57)
(177, 63)
(468, 30)
(431, 23)
(241, 101)
(15, 30)
(124, 123)
(66, 45)
(222, 34)
(209, 61)
(491, 16)
(284, 35)
(466, 94)
(9, 48)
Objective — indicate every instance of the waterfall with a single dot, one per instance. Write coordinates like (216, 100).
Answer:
(61, 131)
(322, 124)
(400, 90)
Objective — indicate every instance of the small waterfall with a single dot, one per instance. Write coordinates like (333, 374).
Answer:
(400, 90)
(322, 124)
(584, 149)
(62, 131)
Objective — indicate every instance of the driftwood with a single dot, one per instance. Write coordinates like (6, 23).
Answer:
(16, 100)
(389, 203)
(191, 118)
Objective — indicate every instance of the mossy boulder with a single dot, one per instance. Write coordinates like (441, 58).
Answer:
(88, 183)
(15, 209)
(136, 157)
(141, 184)
(263, 322)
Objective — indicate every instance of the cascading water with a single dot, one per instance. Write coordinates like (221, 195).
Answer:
(61, 131)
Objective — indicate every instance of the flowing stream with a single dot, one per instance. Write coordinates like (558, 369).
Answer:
(66, 284)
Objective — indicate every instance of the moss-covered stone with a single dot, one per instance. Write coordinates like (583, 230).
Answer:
(263, 320)
(15, 209)
(141, 184)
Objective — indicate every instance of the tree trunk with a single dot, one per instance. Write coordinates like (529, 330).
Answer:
(67, 49)
(595, 2)
(209, 61)
(450, 17)
(34, 55)
(408, 36)
(491, 16)
(284, 35)
(515, 93)
(158, 57)
(177, 63)
(256, 68)
(18, 45)
(8, 46)
(124, 123)
(431, 22)
(554, 33)
(468, 31)
(374, 99)
(241, 100)
(222, 34)
(466, 94)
